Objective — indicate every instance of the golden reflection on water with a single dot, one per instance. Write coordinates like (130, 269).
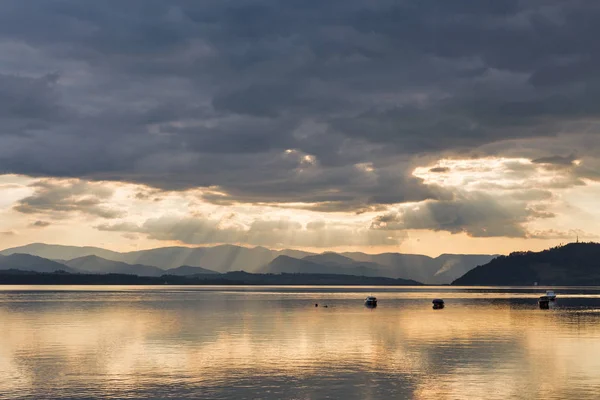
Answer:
(276, 344)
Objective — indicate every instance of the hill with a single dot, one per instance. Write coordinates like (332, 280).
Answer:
(186, 270)
(575, 264)
(97, 265)
(26, 262)
(59, 252)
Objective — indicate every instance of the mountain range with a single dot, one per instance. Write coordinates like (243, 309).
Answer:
(571, 264)
(225, 258)
(27, 262)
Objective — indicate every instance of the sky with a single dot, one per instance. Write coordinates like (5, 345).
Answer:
(379, 126)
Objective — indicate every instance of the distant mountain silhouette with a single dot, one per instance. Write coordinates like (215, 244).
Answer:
(26, 262)
(330, 258)
(219, 258)
(572, 264)
(346, 265)
(59, 252)
(97, 265)
(328, 263)
(186, 270)
(92, 265)
(441, 270)
(290, 265)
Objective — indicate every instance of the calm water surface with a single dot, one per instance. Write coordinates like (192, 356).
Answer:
(271, 343)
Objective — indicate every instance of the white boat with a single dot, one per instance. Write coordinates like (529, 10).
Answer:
(371, 301)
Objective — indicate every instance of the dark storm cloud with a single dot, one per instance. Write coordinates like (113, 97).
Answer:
(29, 99)
(556, 160)
(182, 94)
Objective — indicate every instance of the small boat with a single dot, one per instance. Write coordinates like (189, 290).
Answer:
(371, 301)
(438, 304)
(548, 301)
(545, 303)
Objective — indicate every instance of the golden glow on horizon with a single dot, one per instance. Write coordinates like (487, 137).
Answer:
(491, 173)
(573, 207)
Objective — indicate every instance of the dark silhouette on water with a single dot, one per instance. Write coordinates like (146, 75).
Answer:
(17, 277)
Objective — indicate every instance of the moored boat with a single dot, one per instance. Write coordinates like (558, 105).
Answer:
(371, 301)
(438, 304)
(544, 302)
(547, 301)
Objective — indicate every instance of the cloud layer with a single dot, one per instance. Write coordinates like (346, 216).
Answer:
(322, 106)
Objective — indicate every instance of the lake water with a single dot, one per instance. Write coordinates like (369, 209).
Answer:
(273, 343)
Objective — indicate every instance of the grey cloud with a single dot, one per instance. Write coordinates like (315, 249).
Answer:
(475, 214)
(556, 160)
(30, 99)
(182, 94)
(40, 224)
(439, 169)
(57, 199)
(148, 194)
(267, 100)
(130, 236)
